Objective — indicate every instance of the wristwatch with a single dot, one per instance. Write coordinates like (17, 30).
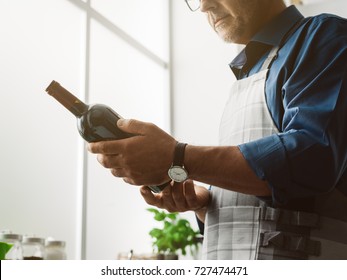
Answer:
(177, 172)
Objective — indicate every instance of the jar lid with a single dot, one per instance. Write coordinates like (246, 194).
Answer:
(10, 236)
(56, 243)
(31, 239)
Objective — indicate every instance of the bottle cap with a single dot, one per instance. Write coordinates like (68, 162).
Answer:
(31, 239)
(10, 236)
(57, 243)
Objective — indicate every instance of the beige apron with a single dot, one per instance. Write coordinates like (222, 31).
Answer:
(240, 226)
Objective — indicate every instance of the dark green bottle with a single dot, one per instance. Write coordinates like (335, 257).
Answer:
(94, 122)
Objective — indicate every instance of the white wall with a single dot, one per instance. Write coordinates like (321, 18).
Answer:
(38, 163)
(137, 87)
(314, 7)
(47, 188)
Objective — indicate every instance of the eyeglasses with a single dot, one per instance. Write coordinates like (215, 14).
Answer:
(193, 5)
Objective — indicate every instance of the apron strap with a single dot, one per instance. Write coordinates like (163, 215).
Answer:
(287, 217)
(274, 51)
(270, 58)
(290, 242)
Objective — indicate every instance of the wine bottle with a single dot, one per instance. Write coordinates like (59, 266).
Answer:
(94, 122)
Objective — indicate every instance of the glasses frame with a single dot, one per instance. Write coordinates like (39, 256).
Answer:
(189, 6)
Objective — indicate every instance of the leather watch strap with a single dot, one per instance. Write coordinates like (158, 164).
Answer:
(178, 159)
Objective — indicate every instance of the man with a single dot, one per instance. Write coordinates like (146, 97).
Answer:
(279, 179)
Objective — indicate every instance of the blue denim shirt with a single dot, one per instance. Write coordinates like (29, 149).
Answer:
(306, 93)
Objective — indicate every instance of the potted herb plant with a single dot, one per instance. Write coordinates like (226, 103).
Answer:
(4, 248)
(175, 236)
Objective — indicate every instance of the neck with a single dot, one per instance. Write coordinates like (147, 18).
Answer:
(268, 13)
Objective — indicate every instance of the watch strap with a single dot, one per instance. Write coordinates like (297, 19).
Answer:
(178, 159)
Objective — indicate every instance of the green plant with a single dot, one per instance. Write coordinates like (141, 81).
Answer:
(4, 248)
(176, 234)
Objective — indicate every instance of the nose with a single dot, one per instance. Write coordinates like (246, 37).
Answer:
(207, 5)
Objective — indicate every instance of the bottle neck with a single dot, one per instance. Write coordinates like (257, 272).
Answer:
(67, 99)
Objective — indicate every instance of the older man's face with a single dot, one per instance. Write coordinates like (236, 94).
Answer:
(235, 21)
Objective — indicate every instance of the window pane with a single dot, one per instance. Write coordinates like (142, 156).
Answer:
(146, 21)
(40, 41)
(135, 87)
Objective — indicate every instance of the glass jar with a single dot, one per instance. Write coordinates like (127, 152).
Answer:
(16, 252)
(33, 248)
(55, 250)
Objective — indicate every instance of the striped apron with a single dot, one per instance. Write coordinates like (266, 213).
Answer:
(242, 227)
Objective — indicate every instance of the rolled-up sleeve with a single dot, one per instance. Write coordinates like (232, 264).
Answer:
(309, 155)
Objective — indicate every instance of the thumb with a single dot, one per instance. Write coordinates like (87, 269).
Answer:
(132, 126)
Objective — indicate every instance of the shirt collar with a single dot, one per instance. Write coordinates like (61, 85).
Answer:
(269, 36)
(273, 33)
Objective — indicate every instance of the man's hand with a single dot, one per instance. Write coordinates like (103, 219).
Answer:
(143, 159)
(179, 197)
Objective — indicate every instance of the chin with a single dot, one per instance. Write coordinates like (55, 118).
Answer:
(227, 37)
(230, 36)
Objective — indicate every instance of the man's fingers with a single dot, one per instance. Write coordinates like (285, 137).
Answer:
(190, 194)
(110, 147)
(153, 199)
(148, 196)
(178, 197)
(117, 146)
(109, 161)
(133, 126)
(167, 200)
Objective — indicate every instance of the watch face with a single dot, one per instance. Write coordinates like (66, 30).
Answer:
(178, 174)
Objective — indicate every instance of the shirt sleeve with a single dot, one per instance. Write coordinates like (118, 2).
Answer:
(309, 156)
